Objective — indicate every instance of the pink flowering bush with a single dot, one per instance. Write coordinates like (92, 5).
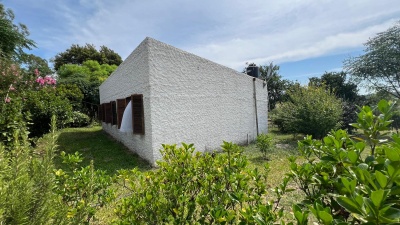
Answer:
(47, 80)
(28, 100)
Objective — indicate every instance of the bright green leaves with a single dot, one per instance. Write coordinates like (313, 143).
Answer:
(392, 154)
(265, 143)
(194, 188)
(345, 182)
(381, 178)
(321, 213)
(373, 125)
(300, 215)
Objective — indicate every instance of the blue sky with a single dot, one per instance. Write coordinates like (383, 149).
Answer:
(305, 37)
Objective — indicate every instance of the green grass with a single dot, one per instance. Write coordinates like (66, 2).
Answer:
(96, 145)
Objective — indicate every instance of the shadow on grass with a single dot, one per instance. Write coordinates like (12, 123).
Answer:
(94, 144)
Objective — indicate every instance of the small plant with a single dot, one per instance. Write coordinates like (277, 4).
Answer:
(375, 124)
(265, 142)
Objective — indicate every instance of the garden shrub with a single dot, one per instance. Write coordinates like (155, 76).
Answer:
(79, 119)
(309, 110)
(29, 99)
(342, 186)
(265, 143)
(33, 191)
(42, 104)
(194, 188)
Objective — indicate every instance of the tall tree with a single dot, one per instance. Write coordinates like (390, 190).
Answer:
(276, 85)
(87, 77)
(14, 38)
(337, 84)
(33, 62)
(77, 54)
(380, 65)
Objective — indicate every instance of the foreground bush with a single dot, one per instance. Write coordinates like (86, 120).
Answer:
(341, 186)
(309, 110)
(195, 188)
(33, 191)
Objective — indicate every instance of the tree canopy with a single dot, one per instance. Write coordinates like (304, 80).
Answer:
(33, 62)
(77, 54)
(380, 65)
(336, 83)
(276, 85)
(14, 38)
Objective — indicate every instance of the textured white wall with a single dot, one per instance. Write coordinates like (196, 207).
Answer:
(131, 77)
(186, 99)
(198, 101)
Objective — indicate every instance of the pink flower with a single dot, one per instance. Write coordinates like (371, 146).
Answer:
(11, 88)
(7, 99)
(37, 73)
(40, 80)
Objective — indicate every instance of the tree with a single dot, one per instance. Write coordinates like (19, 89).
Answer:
(380, 65)
(87, 77)
(14, 38)
(310, 110)
(33, 62)
(336, 83)
(78, 54)
(276, 85)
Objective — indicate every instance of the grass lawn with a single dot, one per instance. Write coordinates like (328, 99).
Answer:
(110, 155)
(96, 145)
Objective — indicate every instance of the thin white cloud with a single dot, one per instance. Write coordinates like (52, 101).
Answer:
(230, 32)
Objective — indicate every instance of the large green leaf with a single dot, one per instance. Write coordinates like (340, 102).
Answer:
(392, 154)
(378, 197)
(381, 178)
(392, 215)
(325, 217)
(353, 156)
(349, 204)
(349, 185)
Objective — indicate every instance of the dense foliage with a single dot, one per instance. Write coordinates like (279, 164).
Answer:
(340, 184)
(195, 188)
(87, 77)
(34, 191)
(29, 99)
(380, 64)
(77, 54)
(309, 110)
(337, 83)
(14, 37)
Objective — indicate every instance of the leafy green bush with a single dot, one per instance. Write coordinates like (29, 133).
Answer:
(42, 104)
(310, 110)
(29, 99)
(79, 119)
(32, 191)
(343, 187)
(82, 190)
(265, 143)
(195, 188)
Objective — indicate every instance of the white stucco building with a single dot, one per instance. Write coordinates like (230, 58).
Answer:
(179, 97)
